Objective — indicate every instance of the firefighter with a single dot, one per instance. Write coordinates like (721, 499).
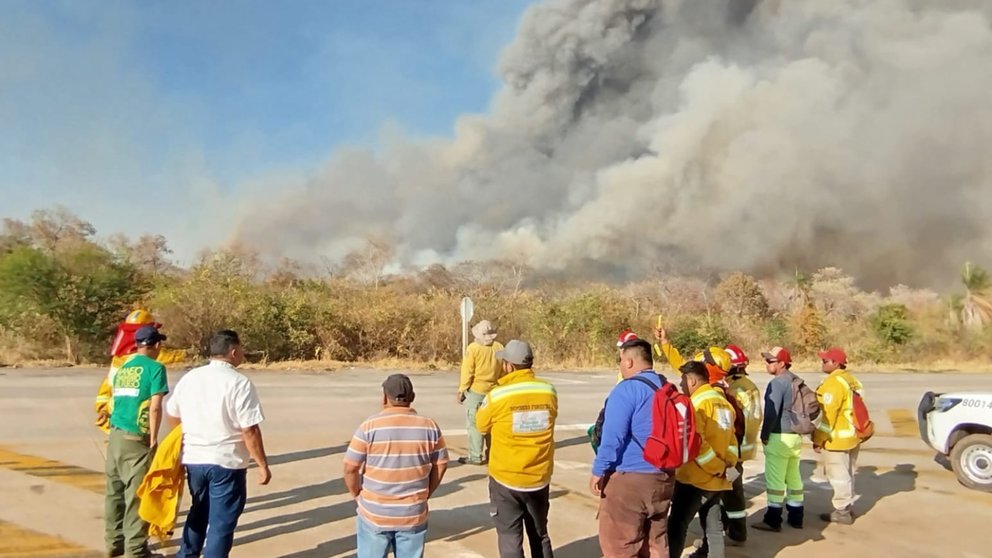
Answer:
(121, 350)
(748, 398)
(700, 483)
(836, 437)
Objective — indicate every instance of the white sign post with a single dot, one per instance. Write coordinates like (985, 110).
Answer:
(468, 310)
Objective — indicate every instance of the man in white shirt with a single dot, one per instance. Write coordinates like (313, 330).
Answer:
(220, 415)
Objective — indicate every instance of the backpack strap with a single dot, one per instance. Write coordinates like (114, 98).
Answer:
(648, 382)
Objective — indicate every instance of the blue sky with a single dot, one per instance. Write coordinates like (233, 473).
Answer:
(134, 114)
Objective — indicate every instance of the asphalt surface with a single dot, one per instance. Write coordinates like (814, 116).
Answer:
(51, 486)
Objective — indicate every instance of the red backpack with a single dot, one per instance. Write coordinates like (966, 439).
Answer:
(673, 441)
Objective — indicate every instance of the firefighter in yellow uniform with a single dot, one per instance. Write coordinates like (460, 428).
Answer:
(837, 434)
(700, 483)
(122, 349)
(748, 398)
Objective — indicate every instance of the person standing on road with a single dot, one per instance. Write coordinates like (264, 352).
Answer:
(138, 388)
(393, 465)
(220, 414)
(480, 369)
(782, 445)
(748, 398)
(634, 494)
(700, 483)
(836, 433)
(520, 412)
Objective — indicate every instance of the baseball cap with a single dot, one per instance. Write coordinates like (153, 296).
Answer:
(516, 352)
(779, 354)
(835, 354)
(626, 335)
(399, 388)
(148, 335)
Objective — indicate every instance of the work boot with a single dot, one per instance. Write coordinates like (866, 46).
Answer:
(468, 461)
(842, 517)
(795, 516)
(771, 522)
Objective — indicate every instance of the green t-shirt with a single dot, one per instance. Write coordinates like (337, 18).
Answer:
(135, 382)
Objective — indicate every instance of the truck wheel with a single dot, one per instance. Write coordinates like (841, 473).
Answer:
(971, 460)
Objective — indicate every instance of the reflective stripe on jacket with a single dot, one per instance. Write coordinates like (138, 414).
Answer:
(749, 398)
(718, 451)
(836, 431)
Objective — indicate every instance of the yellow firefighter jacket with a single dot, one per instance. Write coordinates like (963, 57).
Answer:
(718, 452)
(480, 368)
(104, 403)
(161, 490)
(520, 412)
(749, 399)
(836, 431)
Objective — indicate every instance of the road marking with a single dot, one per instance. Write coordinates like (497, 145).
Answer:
(903, 423)
(18, 542)
(52, 470)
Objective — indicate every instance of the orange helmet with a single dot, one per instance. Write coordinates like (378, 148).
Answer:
(139, 316)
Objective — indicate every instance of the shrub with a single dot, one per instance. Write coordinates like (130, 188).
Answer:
(891, 324)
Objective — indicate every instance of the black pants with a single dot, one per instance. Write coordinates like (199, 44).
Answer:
(687, 501)
(735, 509)
(514, 512)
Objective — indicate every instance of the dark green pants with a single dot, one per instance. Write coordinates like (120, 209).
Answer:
(128, 459)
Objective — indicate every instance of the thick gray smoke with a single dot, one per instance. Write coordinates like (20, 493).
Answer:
(632, 133)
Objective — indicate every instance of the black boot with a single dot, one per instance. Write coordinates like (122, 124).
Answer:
(795, 516)
(772, 520)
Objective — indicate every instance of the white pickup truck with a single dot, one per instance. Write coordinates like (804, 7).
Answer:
(959, 426)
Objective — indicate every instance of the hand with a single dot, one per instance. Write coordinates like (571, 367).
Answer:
(661, 335)
(460, 397)
(732, 474)
(595, 485)
(264, 475)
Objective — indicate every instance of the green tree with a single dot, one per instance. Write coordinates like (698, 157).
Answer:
(891, 324)
(83, 290)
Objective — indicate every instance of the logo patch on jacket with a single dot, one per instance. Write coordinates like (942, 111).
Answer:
(529, 422)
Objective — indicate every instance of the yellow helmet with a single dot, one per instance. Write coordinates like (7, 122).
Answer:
(139, 316)
(715, 356)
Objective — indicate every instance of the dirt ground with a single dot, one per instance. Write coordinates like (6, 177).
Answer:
(51, 485)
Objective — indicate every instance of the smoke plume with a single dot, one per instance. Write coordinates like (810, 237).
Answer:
(695, 134)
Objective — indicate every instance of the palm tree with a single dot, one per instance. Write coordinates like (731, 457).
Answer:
(976, 307)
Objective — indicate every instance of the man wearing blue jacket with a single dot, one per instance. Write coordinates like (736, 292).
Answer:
(634, 495)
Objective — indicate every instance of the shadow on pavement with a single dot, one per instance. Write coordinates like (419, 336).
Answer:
(303, 455)
(575, 441)
(870, 486)
(583, 548)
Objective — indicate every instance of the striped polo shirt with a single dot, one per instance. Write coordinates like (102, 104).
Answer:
(398, 448)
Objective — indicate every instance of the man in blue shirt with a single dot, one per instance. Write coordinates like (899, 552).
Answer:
(634, 495)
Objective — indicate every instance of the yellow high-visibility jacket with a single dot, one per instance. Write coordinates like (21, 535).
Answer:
(718, 452)
(480, 367)
(161, 491)
(749, 398)
(836, 431)
(520, 412)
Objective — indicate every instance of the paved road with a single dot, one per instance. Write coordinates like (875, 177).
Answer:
(51, 488)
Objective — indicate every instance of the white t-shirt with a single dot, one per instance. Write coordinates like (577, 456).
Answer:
(215, 403)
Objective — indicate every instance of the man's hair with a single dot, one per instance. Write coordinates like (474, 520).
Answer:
(223, 341)
(843, 367)
(638, 348)
(696, 369)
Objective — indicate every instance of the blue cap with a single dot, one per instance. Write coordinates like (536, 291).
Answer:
(148, 335)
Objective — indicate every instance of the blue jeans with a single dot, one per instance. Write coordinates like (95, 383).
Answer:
(376, 543)
(219, 497)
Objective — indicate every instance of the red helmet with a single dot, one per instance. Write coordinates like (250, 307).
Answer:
(626, 335)
(737, 356)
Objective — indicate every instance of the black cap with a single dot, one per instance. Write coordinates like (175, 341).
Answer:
(398, 388)
(148, 335)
